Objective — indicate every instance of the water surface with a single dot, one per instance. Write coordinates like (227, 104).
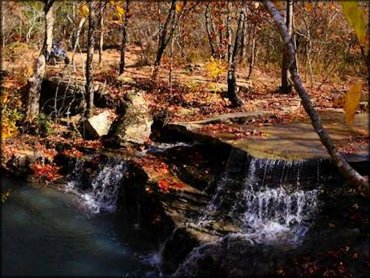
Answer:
(44, 233)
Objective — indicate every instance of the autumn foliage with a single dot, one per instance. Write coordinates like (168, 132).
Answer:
(45, 173)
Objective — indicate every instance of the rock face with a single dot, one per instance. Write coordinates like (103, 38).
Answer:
(233, 256)
(97, 125)
(134, 126)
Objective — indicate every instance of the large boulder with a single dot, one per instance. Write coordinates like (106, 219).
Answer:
(134, 126)
(64, 96)
(98, 125)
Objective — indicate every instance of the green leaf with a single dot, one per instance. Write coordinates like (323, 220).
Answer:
(356, 18)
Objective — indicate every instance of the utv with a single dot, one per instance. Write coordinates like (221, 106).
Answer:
(57, 54)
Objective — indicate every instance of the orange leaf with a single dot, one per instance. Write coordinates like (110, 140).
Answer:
(352, 100)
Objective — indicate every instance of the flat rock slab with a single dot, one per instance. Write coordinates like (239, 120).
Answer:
(293, 141)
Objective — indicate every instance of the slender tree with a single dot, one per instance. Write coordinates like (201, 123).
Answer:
(175, 14)
(33, 103)
(165, 36)
(285, 85)
(124, 40)
(102, 6)
(236, 101)
(210, 30)
(343, 166)
(89, 61)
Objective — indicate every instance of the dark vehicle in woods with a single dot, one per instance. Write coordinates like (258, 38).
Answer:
(57, 54)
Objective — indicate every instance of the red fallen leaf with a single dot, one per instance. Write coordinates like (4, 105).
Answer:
(163, 185)
(176, 185)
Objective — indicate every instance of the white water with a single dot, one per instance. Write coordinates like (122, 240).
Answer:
(103, 194)
(268, 213)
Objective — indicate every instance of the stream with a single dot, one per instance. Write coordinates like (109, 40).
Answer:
(46, 233)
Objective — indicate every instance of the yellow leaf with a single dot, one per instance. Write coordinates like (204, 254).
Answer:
(279, 4)
(84, 10)
(356, 18)
(351, 102)
(179, 7)
(121, 11)
(308, 6)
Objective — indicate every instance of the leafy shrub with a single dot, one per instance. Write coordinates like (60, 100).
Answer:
(44, 125)
(215, 68)
(9, 119)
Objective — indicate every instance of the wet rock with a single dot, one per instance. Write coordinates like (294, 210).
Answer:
(176, 248)
(134, 126)
(19, 163)
(232, 256)
(97, 126)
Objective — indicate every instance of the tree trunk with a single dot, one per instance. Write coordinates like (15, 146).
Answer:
(285, 85)
(1, 33)
(232, 94)
(243, 41)
(163, 38)
(166, 34)
(101, 31)
(89, 61)
(33, 103)
(77, 38)
(122, 62)
(252, 57)
(344, 168)
(228, 32)
(210, 34)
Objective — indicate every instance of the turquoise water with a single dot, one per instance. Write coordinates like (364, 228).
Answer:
(45, 233)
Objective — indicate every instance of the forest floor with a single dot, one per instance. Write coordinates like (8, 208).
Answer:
(193, 94)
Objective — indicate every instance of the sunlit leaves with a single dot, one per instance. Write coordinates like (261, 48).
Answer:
(356, 18)
(215, 68)
(116, 12)
(84, 10)
(279, 4)
(121, 11)
(179, 7)
(45, 173)
(308, 6)
(351, 102)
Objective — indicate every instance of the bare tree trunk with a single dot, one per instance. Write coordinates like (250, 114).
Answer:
(171, 66)
(122, 62)
(1, 34)
(285, 85)
(163, 38)
(243, 41)
(101, 31)
(89, 61)
(209, 31)
(252, 57)
(166, 34)
(33, 103)
(77, 38)
(344, 168)
(228, 32)
(235, 100)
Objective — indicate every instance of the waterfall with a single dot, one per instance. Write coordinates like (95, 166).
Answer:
(269, 203)
(102, 194)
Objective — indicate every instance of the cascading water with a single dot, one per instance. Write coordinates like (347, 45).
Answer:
(266, 204)
(103, 194)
